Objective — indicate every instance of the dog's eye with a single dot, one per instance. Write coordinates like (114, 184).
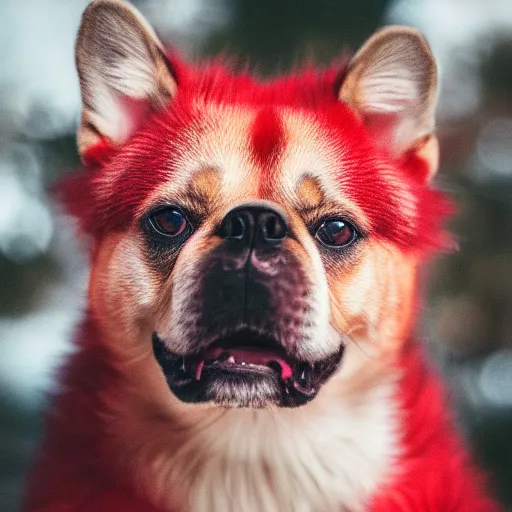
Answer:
(169, 221)
(336, 232)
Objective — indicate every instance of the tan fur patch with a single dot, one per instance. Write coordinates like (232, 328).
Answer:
(310, 193)
(202, 191)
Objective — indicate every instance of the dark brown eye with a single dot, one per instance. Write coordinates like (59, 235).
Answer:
(336, 232)
(169, 221)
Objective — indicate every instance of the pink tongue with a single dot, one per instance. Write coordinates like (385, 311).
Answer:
(248, 356)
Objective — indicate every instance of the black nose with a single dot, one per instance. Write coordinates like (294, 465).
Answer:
(258, 226)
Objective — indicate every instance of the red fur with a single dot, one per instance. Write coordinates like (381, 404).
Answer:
(433, 473)
(72, 479)
(103, 206)
(267, 141)
(266, 138)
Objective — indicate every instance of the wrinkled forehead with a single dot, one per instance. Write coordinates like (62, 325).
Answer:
(232, 154)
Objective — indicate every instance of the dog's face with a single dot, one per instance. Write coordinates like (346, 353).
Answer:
(246, 233)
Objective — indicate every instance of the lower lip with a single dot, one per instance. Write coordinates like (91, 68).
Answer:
(197, 381)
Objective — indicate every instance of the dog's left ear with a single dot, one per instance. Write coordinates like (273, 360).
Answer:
(124, 73)
(391, 83)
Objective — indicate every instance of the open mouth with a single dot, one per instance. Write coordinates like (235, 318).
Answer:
(244, 369)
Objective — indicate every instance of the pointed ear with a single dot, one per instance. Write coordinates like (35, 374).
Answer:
(391, 83)
(124, 73)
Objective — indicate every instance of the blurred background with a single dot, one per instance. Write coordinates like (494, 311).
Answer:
(43, 273)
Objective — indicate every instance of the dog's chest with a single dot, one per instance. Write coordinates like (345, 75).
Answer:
(283, 461)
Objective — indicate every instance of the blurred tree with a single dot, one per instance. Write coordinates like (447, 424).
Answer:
(277, 35)
(472, 289)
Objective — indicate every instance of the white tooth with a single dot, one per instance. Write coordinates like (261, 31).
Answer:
(231, 359)
(243, 364)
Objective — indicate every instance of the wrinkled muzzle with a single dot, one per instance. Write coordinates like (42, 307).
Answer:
(247, 320)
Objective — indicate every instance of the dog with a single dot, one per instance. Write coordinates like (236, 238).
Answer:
(249, 342)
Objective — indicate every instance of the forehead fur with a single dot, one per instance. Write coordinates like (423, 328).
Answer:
(116, 181)
(267, 137)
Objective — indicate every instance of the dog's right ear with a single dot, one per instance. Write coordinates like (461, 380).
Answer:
(124, 73)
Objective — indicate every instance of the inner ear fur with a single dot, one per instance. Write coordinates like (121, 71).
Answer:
(391, 83)
(123, 71)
